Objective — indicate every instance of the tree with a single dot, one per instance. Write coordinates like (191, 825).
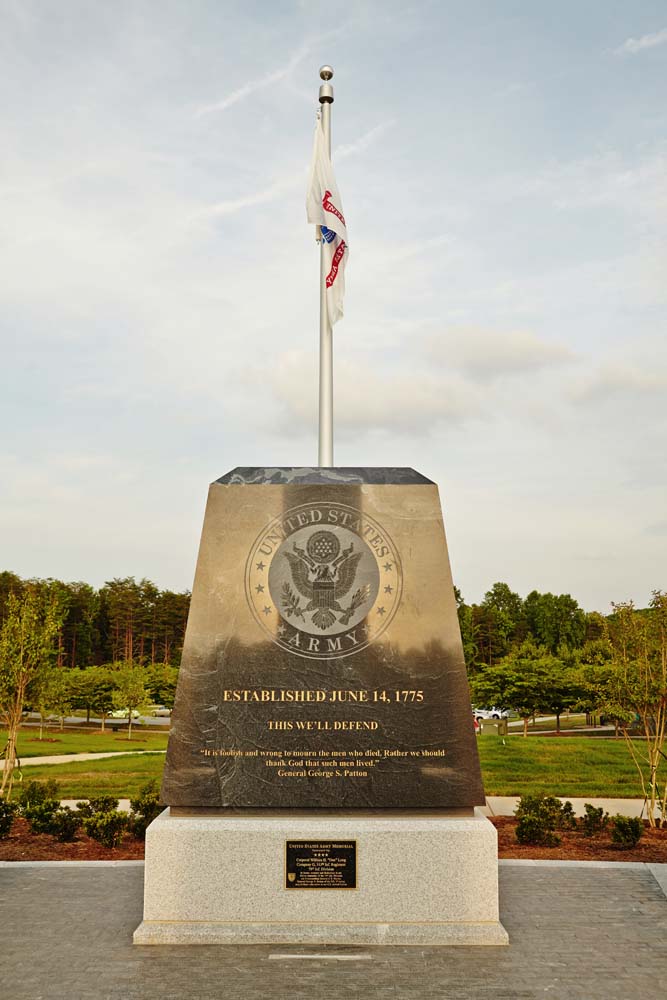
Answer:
(635, 692)
(160, 680)
(92, 689)
(129, 690)
(467, 629)
(519, 681)
(555, 621)
(28, 639)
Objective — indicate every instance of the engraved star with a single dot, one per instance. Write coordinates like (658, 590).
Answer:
(260, 588)
(281, 630)
(387, 567)
(389, 589)
(260, 566)
(380, 611)
(267, 611)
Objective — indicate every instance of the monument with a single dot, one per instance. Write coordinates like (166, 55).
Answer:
(322, 771)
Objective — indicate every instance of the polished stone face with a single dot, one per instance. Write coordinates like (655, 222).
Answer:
(322, 665)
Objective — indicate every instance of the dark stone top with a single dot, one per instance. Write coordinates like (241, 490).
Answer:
(298, 475)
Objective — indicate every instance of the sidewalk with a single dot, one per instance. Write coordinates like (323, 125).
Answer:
(505, 805)
(68, 758)
(577, 931)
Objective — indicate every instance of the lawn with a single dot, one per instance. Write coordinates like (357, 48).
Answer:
(574, 766)
(83, 741)
(122, 776)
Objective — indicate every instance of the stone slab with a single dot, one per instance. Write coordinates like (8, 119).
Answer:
(322, 664)
(422, 879)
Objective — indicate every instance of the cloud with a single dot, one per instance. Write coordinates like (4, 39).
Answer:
(614, 379)
(368, 399)
(296, 178)
(632, 46)
(487, 354)
(252, 86)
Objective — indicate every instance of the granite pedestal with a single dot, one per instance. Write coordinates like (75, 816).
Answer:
(422, 879)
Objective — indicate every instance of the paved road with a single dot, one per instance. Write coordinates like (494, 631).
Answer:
(577, 932)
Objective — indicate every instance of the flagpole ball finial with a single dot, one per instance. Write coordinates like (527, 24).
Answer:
(326, 72)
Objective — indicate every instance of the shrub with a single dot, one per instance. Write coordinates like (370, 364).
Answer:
(102, 804)
(568, 820)
(626, 831)
(32, 793)
(539, 816)
(40, 815)
(8, 811)
(64, 824)
(144, 809)
(594, 821)
(106, 827)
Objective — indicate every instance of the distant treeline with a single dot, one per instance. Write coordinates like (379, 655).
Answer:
(504, 621)
(124, 620)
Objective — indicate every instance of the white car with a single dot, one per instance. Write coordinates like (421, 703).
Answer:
(121, 713)
(490, 713)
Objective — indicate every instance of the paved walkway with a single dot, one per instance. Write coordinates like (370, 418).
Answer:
(68, 758)
(577, 932)
(505, 805)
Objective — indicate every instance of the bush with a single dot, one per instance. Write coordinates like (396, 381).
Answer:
(539, 817)
(144, 809)
(8, 811)
(102, 804)
(594, 821)
(626, 831)
(106, 827)
(64, 824)
(568, 820)
(40, 815)
(32, 793)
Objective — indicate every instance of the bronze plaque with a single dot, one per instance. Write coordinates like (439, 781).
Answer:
(320, 864)
(322, 664)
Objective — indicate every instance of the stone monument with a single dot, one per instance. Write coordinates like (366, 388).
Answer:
(322, 771)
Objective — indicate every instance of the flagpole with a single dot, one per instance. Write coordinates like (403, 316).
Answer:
(325, 444)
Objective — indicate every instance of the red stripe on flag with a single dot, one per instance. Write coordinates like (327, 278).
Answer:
(337, 257)
(329, 206)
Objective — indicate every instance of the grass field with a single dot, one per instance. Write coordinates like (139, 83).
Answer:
(574, 766)
(85, 741)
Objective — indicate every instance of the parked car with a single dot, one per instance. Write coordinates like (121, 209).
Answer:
(490, 713)
(161, 711)
(121, 713)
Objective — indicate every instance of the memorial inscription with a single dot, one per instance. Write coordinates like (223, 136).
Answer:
(320, 864)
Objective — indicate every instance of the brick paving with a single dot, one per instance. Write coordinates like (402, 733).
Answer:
(577, 931)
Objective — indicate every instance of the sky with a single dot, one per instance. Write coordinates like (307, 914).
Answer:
(503, 174)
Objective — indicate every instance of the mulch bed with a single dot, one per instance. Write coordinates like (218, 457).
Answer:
(22, 845)
(574, 846)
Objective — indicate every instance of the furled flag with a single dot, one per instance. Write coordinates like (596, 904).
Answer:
(324, 209)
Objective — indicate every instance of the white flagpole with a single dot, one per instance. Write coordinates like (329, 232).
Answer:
(325, 449)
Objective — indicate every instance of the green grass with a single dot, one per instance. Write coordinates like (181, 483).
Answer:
(83, 741)
(122, 776)
(574, 766)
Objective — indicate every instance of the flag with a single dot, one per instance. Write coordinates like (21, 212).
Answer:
(324, 209)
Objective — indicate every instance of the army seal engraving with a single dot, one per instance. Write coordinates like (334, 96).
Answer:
(323, 580)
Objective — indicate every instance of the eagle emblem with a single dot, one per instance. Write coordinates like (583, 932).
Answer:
(323, 576)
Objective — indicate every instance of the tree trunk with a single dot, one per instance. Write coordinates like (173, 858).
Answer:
(525, 727)
(558, 722)
(129, 725)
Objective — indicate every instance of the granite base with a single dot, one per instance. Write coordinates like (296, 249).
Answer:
(218, 878)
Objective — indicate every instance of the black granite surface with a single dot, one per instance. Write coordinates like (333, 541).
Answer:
(296, 475)
(244, 733)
